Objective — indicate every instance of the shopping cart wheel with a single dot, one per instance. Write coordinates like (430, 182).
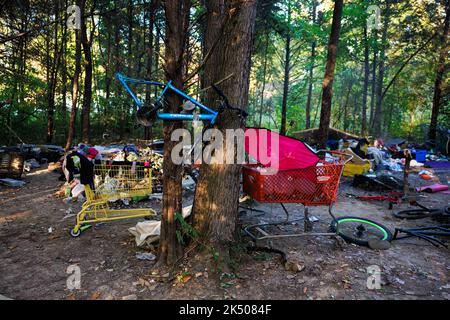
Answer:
(360, 230)
(75, 234)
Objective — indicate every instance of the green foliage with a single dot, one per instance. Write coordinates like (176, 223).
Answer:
(186, 230)
(121, 43)
(411, 23)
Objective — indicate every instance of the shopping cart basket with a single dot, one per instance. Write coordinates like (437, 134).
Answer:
(114, 182)
(301, 176)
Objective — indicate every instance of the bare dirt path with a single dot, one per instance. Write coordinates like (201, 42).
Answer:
(33, 261)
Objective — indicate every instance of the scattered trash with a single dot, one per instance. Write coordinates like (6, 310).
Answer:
(77, 190)
(147, 232)
(145, 256)
(294, 265)
(377, 183)
(12, 182)
(426, 175)
(50, 230)
(157, 196)
(188, 183)
(433, 188)
(30, 164)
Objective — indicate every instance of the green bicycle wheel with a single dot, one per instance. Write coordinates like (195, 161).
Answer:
(360, 230)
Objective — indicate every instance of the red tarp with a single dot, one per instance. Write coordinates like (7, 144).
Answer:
(274, 150)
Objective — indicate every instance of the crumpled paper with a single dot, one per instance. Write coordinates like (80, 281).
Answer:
(147, 232)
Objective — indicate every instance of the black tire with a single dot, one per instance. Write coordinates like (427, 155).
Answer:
(360, 229)
(146, 115)
(414, 214)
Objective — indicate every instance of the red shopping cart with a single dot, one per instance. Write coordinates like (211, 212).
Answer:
(288, 171)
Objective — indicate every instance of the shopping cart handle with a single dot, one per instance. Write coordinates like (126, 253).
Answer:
(348, 156)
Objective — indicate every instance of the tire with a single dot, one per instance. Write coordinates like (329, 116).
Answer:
(75, 234)
(414, 214)
(361, 229)
(147, 115)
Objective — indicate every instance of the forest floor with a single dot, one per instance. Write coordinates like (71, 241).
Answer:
(34, 261)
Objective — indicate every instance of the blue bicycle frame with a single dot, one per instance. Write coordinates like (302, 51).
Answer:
(210, 116)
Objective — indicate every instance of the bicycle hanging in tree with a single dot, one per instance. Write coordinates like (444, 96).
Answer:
(147, 114)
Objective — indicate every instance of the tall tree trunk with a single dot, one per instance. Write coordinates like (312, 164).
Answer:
(366, 84)
(157, 52)
(130, 71)
(87, 94)
(118, 65)
(51, 83)
(108, 76)
(64, 74)
(76, 75)
(373, 80)
(287, 68)
(261, 103)
(217, 193)
(440, 71)
(152, 11)
(311, 71)
(327, 88)
(378, 114)
(177, 21)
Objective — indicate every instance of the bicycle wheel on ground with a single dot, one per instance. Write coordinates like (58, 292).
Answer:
(413, 214)
(360, 230)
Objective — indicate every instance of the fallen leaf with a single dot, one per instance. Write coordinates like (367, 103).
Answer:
(95, 295)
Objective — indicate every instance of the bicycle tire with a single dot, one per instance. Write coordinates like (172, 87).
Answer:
(385, 234)
(415, 214)
(146, 115)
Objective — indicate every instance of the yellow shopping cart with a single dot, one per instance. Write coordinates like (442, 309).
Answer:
(114, 182)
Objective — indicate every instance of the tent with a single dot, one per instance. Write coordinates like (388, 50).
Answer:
(271, 149)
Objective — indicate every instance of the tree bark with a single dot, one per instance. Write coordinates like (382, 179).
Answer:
(76, 75)
(374, 81)
(87, 94)
(287, 68)
(118, 65)
(152, 11)
(177, 21)
(64, 74)
(52, 76)
(366, 84)
(261, 103)
(217, 193)
(327, 88)
(440, 71)
(378, 114)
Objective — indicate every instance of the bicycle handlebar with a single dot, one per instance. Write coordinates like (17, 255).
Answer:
(225, 100)
(221, 94)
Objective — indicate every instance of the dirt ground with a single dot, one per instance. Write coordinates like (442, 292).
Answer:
(34, 261)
